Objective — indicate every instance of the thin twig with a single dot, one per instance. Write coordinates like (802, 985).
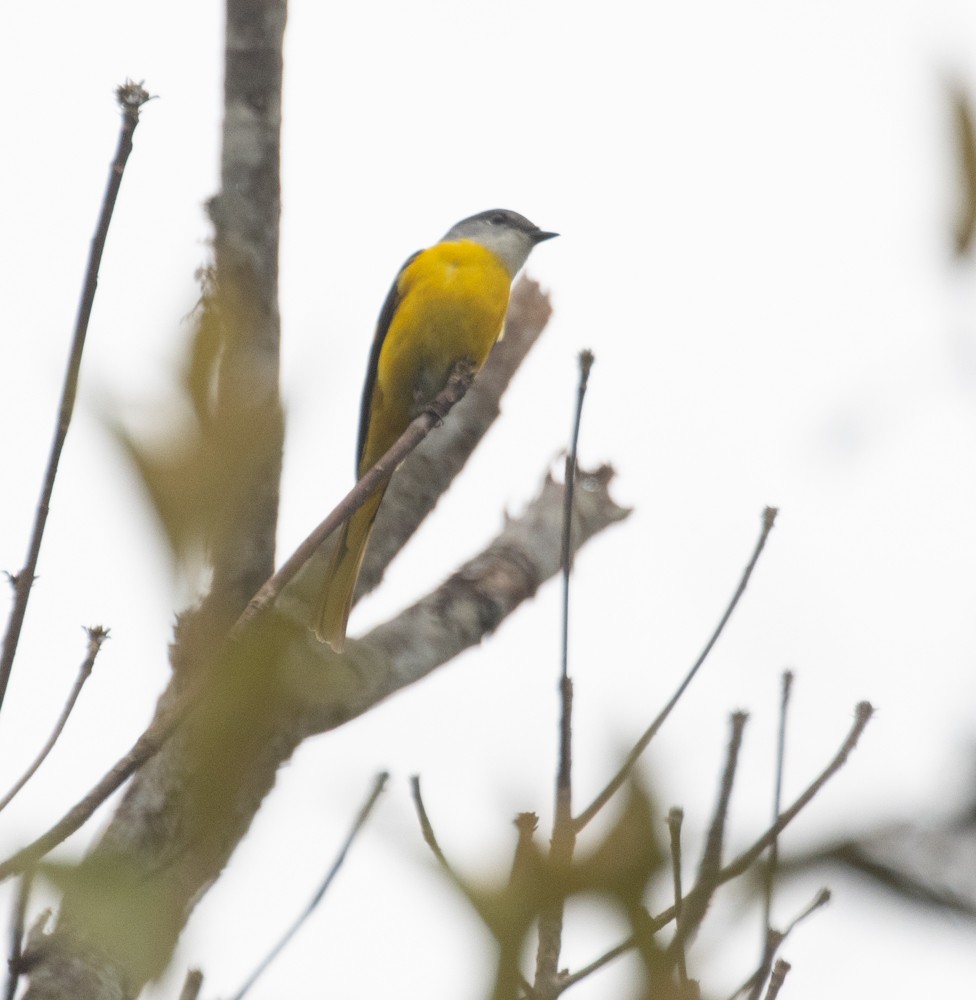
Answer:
(192, 985)
(754, 983)
(586, 360)
(774, 941)
(15, 962)
(130, 97)
(96, 636)
(605, 959)
(427, 829)
(430, 839)
(780, 970)
(769, 518)
(357, 825)
(563, 841)
(524, 858)
(525, 824)
(458, 384)
(676, 817)
(144, 748)
(770, 875)
(784, 704)
(695, 906)
(711, 860)
(863, 714)
(821, 899)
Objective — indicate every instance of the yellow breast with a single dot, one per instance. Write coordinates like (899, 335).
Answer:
(452, 302)
(453, 298)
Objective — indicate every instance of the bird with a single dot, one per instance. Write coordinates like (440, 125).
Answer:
(447, 304)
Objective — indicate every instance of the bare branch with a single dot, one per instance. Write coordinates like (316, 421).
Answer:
(863, 713)
(14, 963)
(605, 959)
(192, 985)
(696, 904)
(459, 614)
(774, 941)
(150, 742)
(96, 636)
(770, 874)
(427, 829)
(130, 97)
(563, 840)
(820, 900)
(769, 518)
(391, 657)
(458, 383)
(748, 857)
(361, 817)
(524, 859)
(143, 750)
(506, 924)
(776, 980)
(585, 364)
(675, 819)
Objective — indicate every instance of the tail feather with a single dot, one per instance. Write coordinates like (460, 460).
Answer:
(343, 572)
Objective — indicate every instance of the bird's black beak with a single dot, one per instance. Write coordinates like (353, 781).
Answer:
(539, 236)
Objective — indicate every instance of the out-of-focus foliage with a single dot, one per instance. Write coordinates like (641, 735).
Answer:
(965, 145)
(618, 868)
(197, 471)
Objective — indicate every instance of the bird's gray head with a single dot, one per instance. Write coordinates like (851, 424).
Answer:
(509, 235)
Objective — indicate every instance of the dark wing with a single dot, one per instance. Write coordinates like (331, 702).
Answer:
(382, 326)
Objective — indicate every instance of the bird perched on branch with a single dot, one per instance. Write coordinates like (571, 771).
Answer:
(446, 305)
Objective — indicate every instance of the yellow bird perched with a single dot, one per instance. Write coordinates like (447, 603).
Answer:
(446, 305)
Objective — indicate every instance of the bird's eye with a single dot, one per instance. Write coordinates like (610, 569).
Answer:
(497, 219)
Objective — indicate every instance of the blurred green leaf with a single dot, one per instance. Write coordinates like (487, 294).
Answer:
(200, 469)
(116, 909)
(965, 148)
(629, 856)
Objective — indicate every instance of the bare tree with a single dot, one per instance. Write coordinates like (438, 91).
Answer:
(239, 703)
(250, 682)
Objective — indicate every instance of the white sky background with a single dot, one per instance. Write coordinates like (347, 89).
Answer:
(755, 201)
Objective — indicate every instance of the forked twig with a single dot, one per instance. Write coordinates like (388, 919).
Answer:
(96, 636)
(130, 97)
(774, 942)
(357, 825)
(769, 518)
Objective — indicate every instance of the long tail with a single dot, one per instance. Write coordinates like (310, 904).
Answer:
(340, 581)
